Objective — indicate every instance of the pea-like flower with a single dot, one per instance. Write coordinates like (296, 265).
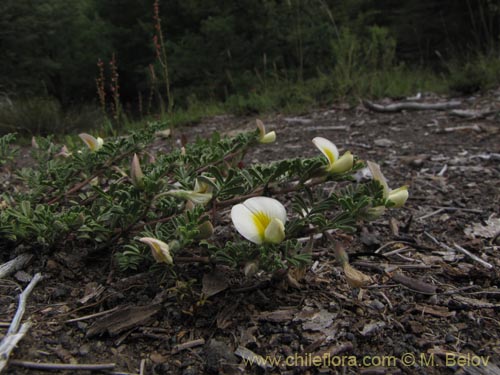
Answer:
(92, 143)
(336, 164)
(263, 136)
(260, 220)
(398, 196)
(159, 249)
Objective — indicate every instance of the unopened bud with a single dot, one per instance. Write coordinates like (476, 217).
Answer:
(136, 173)
(251, 268)
(206, 229)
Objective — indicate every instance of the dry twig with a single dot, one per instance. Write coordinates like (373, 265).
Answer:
(17, 331)
(413, 106)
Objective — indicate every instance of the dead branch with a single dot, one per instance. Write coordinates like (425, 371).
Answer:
(16, 333)
(23, 298)
(14, 265)
(410, 106)
(472, 115)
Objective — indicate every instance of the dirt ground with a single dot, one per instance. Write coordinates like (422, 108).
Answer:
(431, 309)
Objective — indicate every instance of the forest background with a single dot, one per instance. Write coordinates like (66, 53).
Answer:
(85, 64)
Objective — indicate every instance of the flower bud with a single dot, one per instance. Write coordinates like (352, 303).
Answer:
(206, 230)
(136, 173)
(251, 268)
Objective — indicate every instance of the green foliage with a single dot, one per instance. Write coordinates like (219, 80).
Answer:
(479, 72)
(44, 116)
(7, 150)
(89, 199)
(217, 50)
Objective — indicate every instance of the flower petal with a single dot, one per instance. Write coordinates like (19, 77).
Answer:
(92, 143)
(269, 206)
(244, 223)
(261, 128)
(343, 164)
(327, 148)
(399, 196)
(268, 138)
(275, 231)
(378, 176)
(159, 249)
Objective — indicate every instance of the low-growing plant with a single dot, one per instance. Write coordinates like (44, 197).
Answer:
(115, 196)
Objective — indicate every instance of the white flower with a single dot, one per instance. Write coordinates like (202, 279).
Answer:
(397, 196)
(159, 249)
(263, 136)
(335, 164)
(260, 220)
(92, 143)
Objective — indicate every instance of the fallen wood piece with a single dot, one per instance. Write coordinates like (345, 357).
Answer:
(119, 321)
(63, 366)
(451, 129)
(471, 114)
(414, 284)
(412, 106)
(188, 345)
(14, 265)
(473, 303)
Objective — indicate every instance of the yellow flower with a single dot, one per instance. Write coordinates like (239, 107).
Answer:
(260, 220)
(263, 136)
(398, 196)
(159, 249)
(335, 164)
(92, 143)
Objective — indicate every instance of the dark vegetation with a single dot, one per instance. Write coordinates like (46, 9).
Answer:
(243, 57)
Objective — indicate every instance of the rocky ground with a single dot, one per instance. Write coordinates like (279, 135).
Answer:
(431, 308)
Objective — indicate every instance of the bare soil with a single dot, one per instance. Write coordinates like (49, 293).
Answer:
(428, 301)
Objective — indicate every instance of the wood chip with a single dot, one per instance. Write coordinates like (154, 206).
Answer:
(439, 311)
(125, 318)
(414, 284)
(277, 316)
